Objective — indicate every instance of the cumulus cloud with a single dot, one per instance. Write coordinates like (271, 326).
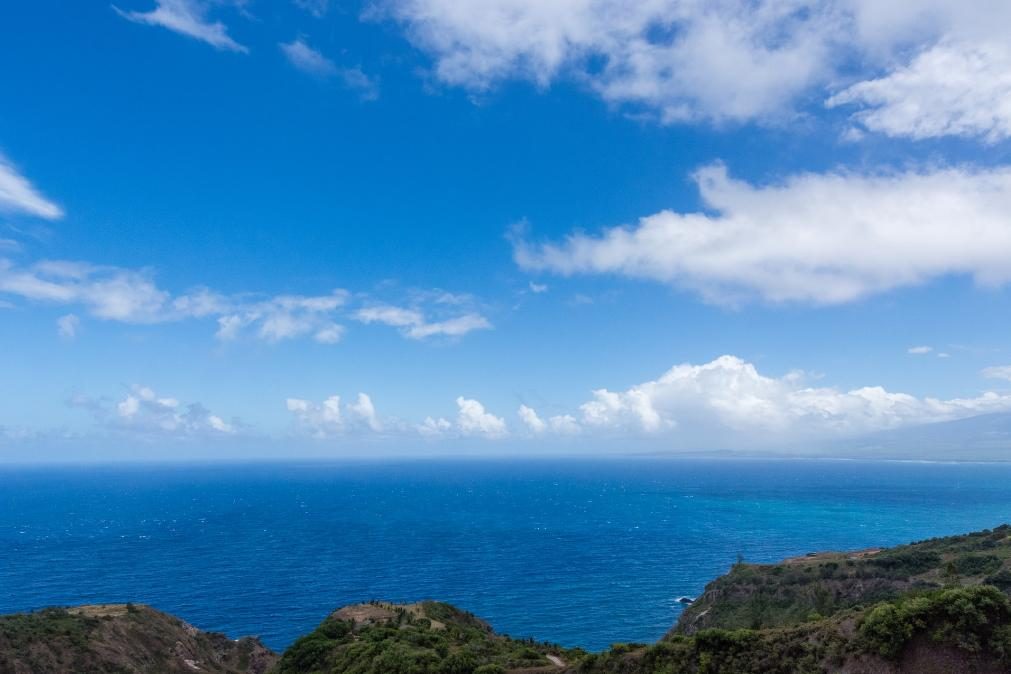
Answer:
(144, 412)
(950, 89)
(562, 424)
(734, 60)
(186, 17)
(816, 238)
(728, 395)
(728, 403)
(320, 420)
(413, 323)
(66, 326)
(18, 195)
(998, 372)
(332, 418)
(531, 420)
(473, 419)
(435, 427)
(364, 412)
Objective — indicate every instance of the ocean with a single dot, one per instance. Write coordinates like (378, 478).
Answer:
(577, 552)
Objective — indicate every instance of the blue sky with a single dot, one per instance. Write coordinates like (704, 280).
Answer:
(504, 223)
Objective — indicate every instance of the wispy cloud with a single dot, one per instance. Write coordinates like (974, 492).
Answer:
(310, 60)
(186, 17)
(413, 323)
(144, 413)
(67, 326)
(18, 195)
(998, 372)
(133, 296)
(355, 79)
(919, 350)
(317, 8)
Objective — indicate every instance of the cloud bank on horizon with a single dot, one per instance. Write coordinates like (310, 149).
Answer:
(724, 403)
(911, 193)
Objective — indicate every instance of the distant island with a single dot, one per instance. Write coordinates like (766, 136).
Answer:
(937, 606)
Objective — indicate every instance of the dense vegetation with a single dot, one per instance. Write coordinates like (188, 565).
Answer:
(757, 596)
(426, 638)
(953, 630)
(118, 639)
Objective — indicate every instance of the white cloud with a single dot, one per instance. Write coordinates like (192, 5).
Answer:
(818, 238)
(107, 292)
(332, 418)
(18, 195)
(286, 317)
(563, 424)
(728, 397)
(950, 89)
(735, 60)
(330, 333)
(434, 428)
(998, 372)
(538, 288)
(730, 60)
(452, 327)
(145, 413)
(364, 411)
(413, 324)
(186, 17)
(473, 419)
(67, 326)
(131, 296)
(529, 417)
(307, 59)
(320, 420)
(919, 350)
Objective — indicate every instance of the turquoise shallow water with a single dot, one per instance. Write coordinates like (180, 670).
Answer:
(579, 552)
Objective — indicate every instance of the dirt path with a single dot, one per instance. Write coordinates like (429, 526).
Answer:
(556, 661)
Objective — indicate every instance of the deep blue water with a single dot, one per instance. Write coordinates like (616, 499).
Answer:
(579, 552)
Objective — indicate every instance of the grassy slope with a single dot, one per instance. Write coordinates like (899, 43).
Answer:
(120, 638)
